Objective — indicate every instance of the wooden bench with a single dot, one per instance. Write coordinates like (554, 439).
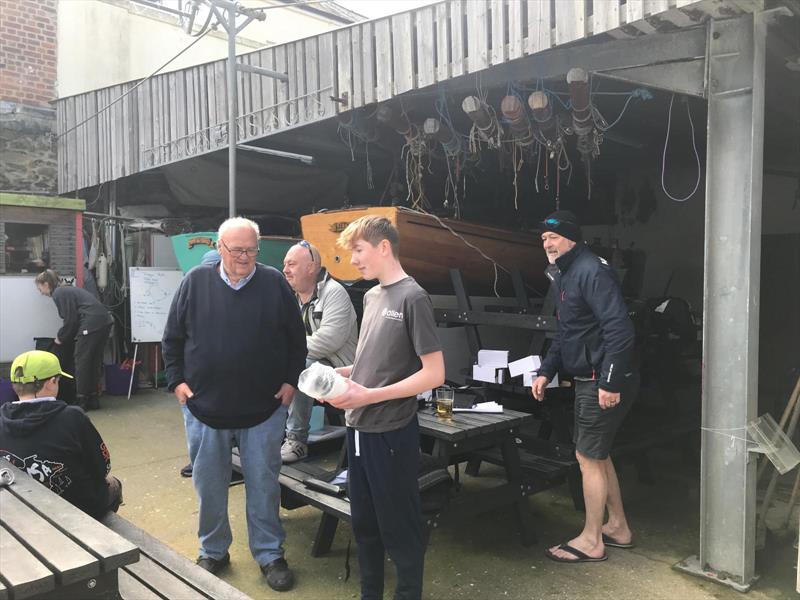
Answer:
(49, 549)
(162, 573)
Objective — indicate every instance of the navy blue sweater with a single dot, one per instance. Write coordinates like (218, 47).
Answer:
(595, 335)
(234, 348)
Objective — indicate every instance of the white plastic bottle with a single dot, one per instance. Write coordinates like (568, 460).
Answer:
(321, 381)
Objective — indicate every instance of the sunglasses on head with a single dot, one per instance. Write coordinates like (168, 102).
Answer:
(307, 246)
(557, 222)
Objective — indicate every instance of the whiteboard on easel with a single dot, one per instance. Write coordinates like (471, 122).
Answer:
(151, 292)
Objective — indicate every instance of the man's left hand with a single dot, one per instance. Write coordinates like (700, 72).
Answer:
(608, 399)
(356, 396)
(285, 394)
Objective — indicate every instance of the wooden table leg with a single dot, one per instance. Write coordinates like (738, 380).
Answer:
(514, 475)
(324, 538)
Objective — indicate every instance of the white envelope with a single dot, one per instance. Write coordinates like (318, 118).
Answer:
(493, 358)
(525, 365)
(480, 373)
(527, 379)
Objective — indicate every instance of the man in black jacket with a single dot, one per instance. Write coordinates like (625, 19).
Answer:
(54, 443)
(234, 346)
(594, 343)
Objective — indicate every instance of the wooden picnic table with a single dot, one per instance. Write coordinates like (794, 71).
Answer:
(50, 549)
(455, 439)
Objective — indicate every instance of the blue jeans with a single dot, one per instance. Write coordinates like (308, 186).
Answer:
(297, 425)
(260, 452)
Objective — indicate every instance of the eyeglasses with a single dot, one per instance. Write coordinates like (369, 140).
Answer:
(307, 246)
(238, 252)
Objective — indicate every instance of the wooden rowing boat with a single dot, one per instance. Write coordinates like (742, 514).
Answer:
(429, 247)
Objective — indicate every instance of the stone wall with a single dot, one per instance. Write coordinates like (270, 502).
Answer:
(27, 151)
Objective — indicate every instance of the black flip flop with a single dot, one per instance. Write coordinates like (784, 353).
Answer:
(612, 543)
(580, 557)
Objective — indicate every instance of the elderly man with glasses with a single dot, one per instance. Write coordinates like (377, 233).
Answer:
(331, 333)
(234, 346)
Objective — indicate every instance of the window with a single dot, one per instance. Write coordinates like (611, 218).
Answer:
(25, 247)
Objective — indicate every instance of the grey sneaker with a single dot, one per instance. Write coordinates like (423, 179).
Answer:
(292, 451)
(278, 574)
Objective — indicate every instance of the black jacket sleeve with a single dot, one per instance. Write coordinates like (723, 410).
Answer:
(67, 306)
(174, 337)
(95, 451)
(608, 306)
(295, 334)
(551, 362)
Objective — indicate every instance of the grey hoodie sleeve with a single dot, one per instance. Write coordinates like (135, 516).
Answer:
(338, 322)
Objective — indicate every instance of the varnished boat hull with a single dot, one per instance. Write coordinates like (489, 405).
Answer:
(428, 250)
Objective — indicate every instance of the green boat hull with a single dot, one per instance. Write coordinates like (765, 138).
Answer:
(190, 247)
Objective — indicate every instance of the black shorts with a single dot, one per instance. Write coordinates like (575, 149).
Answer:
(596, 427)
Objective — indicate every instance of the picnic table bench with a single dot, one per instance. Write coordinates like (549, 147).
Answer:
(163, 574)
(50, 549)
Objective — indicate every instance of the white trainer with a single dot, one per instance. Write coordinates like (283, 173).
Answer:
(292, 451)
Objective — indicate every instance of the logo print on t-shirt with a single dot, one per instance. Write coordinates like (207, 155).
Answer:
(47, 472)
(388, 313)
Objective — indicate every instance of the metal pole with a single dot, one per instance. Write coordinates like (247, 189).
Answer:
(732, 271)
(232, 110)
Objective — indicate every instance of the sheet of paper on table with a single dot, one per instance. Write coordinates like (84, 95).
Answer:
(482, 407)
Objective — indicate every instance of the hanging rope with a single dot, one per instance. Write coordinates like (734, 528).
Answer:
(664, 154)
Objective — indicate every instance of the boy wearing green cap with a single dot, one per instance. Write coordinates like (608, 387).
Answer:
(53, 442)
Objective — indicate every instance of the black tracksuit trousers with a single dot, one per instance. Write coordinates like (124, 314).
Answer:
(385, 508)
(89, 360)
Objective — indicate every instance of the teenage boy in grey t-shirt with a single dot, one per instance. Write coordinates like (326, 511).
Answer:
(398, 356)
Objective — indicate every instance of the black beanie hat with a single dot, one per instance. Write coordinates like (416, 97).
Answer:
(564, 223)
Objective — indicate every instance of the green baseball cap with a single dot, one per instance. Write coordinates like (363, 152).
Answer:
(36, 365)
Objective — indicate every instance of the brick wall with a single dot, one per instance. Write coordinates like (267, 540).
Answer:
(28, 51)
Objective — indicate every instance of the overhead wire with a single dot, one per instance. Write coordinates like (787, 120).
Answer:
(134, 88)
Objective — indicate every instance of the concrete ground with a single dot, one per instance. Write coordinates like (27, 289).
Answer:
(478, 557)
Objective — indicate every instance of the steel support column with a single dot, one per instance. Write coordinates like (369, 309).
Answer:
(233, 100)
(731, 299)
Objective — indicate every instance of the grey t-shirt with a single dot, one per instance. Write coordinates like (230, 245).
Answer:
(398, 327)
